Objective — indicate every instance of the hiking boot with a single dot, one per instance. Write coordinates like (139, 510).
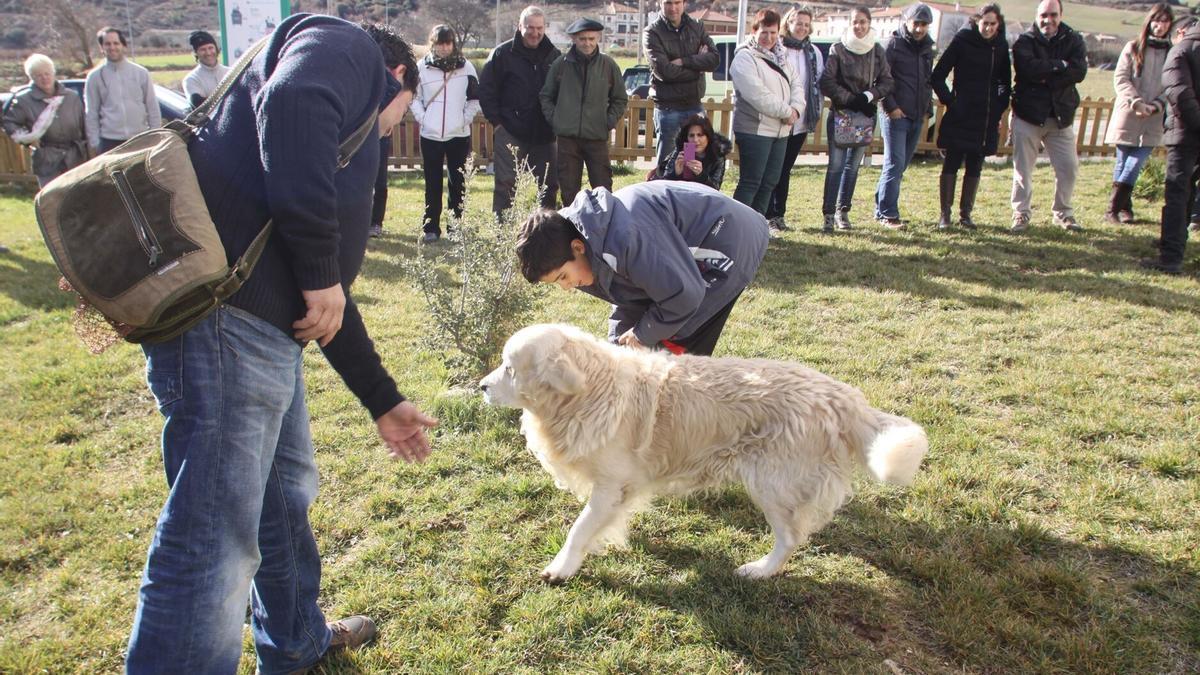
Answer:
(1114, 204)
(891, 223)
(1020, 223)
(827, 226)
(842, 220)
(1157, 265)
(946, 184)
(966, 203)
(1067, 223)
(777, 223)
(1125, 203)
(1194, 227)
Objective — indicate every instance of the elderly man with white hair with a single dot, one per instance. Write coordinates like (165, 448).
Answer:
(48, 117)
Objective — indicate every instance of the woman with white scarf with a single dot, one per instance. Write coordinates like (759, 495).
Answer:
(768, 100)
(48, 117)
(808, 63)
(856, 78)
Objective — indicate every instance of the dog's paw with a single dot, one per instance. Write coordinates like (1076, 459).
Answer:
(759, 569)
(558, 571)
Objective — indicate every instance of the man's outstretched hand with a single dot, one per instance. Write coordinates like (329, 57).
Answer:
(403, 432)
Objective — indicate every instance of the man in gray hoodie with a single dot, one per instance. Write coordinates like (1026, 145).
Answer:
(672, 258)
(118, 96)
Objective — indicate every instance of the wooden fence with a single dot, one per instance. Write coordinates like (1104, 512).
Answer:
(633, 139)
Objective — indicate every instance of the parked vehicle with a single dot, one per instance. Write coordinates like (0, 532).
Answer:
(719, 82)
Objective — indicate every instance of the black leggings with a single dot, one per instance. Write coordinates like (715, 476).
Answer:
(955, 159)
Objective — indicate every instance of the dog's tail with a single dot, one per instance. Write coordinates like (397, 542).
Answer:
(894, 454)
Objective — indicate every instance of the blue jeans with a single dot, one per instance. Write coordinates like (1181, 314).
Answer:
(760, 159)
(842, 174)
(1130, 160)
(666, 127)
(239, 464)
(900, 139)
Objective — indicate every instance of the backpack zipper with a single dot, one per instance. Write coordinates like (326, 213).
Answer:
(141, 227)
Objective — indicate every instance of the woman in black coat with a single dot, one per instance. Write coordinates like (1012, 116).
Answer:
(970, 129)
(711, 148)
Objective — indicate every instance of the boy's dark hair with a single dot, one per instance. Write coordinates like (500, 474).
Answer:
(544, 244)
(396, 51)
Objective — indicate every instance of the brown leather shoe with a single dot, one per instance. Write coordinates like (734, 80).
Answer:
(351, 633)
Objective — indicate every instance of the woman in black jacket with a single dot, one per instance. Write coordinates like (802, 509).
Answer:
(711, 148)
(970, 129)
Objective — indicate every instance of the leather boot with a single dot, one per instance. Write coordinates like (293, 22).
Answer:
(946, 185)
(1125, 202)
(1114, 204)
(966, 203)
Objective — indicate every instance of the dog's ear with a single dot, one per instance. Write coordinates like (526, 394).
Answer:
(561, 375)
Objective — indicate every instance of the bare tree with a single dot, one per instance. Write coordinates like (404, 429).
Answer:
(466, 17)
(71, 28)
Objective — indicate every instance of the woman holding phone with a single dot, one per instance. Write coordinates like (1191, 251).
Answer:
(699, 153)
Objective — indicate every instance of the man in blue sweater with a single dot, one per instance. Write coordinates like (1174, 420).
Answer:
(236, 443)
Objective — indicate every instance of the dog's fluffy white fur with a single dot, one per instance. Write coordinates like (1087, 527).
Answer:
(618, 426)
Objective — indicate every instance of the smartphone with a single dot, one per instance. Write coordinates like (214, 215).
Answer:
(689, 154)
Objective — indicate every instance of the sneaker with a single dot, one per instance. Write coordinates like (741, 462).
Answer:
(780, 224)
(891, 223)
(430, 237)
(1067, 223)
(828, 225)
(773, 228)
(1157, 265)
(375, 232)
(1194, 227)
(1020, 223)
(841, 219)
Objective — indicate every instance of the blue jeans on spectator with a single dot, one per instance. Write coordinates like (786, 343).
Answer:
(900, 139)
(842, 174)
(1130, 160)
(239, 462)
(666, 128)
(760, 161)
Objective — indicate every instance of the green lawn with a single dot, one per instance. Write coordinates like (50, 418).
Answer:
(1053, 528)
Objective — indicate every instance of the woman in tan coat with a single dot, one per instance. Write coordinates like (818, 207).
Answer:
(1136, 125)
(49, 117)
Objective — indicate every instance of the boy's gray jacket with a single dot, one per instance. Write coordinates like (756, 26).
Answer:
(668, 255)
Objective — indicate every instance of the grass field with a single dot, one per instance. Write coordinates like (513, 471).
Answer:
(1053, 528)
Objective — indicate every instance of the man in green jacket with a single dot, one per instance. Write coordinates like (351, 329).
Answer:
(583, 97)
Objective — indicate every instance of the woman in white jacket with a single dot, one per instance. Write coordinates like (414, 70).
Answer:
(446, 102)
(768, 100)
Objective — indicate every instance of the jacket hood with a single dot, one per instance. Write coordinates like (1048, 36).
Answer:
(922, 45)
(591, 213)
(723, 145)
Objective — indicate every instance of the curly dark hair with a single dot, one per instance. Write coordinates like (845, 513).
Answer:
(396, 51)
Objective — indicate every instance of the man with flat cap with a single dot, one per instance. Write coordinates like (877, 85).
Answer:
(209, 71)
(583, 98)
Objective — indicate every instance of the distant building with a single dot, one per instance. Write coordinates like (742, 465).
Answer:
(621, 27)
(716, 23)
(947, 20)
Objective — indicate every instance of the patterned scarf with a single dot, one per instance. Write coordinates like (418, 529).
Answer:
(448, 64)
(812, 97)
(776, 53)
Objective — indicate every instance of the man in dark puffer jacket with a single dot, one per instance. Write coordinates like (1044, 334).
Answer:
(1181, 81)
(680, 52)
(512, 78)
(1049, 60)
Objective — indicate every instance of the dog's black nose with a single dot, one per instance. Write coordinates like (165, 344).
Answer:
(483, 388)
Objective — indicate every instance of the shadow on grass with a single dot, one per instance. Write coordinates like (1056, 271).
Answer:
(1004, 597)
(32, 283)
(916, 264)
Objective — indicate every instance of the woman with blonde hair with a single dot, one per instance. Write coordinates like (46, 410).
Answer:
(48, 117)
(808, 63)
(1136, 125)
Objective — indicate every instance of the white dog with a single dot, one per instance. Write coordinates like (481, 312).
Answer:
(617, 426)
